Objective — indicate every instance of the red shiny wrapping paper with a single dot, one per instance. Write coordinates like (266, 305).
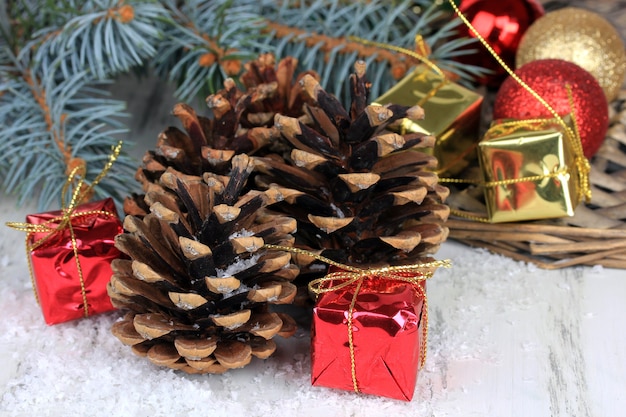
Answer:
(387, 337)
(55, 270)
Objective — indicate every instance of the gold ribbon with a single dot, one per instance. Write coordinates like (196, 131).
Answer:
(64, 221)
(584, 168)
(351, 275)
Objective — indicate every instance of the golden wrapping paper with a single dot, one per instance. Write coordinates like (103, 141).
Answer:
(452, 115)
(530, 171)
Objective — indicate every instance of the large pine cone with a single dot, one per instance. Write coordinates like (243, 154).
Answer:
(199, 282)
(361, 193)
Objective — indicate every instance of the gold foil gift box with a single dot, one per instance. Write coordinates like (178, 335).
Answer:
(452, 115)
(530, 171)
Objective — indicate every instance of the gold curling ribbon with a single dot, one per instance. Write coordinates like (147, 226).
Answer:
(65, 221)
(584, 168)
(412, 274)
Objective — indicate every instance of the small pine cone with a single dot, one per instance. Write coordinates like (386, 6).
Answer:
(199, 282)
(241, 122)
(362, 194)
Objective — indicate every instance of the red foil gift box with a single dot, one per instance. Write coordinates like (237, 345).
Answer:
(61, 291)
(388, 337)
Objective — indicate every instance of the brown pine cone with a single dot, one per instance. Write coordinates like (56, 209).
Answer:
(362, 194)
(199, 281)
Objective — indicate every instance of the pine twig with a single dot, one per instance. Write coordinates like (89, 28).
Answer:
(327, 44)
(102, 39)
(49, 128)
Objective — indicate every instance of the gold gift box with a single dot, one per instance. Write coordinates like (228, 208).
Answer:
(530, 171)
(452, 115)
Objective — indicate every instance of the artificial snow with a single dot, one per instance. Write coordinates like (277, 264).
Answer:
(337, 211)
(237, 266)
(241, 233)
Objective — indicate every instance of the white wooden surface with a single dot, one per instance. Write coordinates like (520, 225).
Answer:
(506, 339)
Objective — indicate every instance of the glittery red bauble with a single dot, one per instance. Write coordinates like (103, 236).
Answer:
(502, 23)
(548, 78)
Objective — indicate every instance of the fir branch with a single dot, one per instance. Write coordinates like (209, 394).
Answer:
(206, 43)
(49, 127)
(103, 37)
(316, 33)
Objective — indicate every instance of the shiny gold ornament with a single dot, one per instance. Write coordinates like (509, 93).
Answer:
(581, 37)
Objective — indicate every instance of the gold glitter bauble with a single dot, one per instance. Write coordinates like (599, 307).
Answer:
(581, 37)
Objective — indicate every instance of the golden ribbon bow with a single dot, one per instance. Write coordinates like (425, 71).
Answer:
(412, 274)
(60, 223)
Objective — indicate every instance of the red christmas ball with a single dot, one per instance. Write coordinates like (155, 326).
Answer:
(548, 78)
(502, 24)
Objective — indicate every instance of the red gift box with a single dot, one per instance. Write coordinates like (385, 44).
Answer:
(389, 318)
(56, 271)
